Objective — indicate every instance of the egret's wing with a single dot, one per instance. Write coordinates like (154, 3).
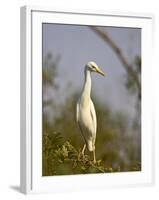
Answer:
(93, 116)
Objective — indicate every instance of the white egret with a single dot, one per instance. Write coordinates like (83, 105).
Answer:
(85, 111)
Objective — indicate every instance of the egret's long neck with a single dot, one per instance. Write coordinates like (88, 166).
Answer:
(86, 93)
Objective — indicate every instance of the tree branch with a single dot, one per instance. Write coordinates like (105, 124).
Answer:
(120, 55)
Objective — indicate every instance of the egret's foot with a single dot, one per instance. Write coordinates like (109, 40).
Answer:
(81, 154)
(94, 161)
(94, 157)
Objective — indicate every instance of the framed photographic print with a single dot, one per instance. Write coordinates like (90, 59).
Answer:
(86, 100)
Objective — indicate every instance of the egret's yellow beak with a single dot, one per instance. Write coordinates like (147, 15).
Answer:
(98, 70)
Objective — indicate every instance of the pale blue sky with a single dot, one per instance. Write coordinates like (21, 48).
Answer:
(78, 45)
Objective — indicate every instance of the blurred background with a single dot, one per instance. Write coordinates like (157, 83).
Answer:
(117, 98)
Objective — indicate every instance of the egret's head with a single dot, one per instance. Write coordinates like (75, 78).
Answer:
(93, 67)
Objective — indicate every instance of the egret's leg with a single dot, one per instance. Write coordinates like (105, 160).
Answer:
(84, 147)
(94, 156)
(94, 153)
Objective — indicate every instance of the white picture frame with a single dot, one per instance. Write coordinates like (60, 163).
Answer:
(31, 103)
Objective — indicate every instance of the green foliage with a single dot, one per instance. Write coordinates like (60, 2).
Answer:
(64, 159)
(130, 83)
(49, 70)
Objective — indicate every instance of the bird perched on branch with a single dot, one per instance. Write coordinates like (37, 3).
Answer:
(85, 111)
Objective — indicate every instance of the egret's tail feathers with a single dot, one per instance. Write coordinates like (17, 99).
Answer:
(90, 146)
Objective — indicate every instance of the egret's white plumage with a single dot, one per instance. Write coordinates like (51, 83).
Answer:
(85, 111)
